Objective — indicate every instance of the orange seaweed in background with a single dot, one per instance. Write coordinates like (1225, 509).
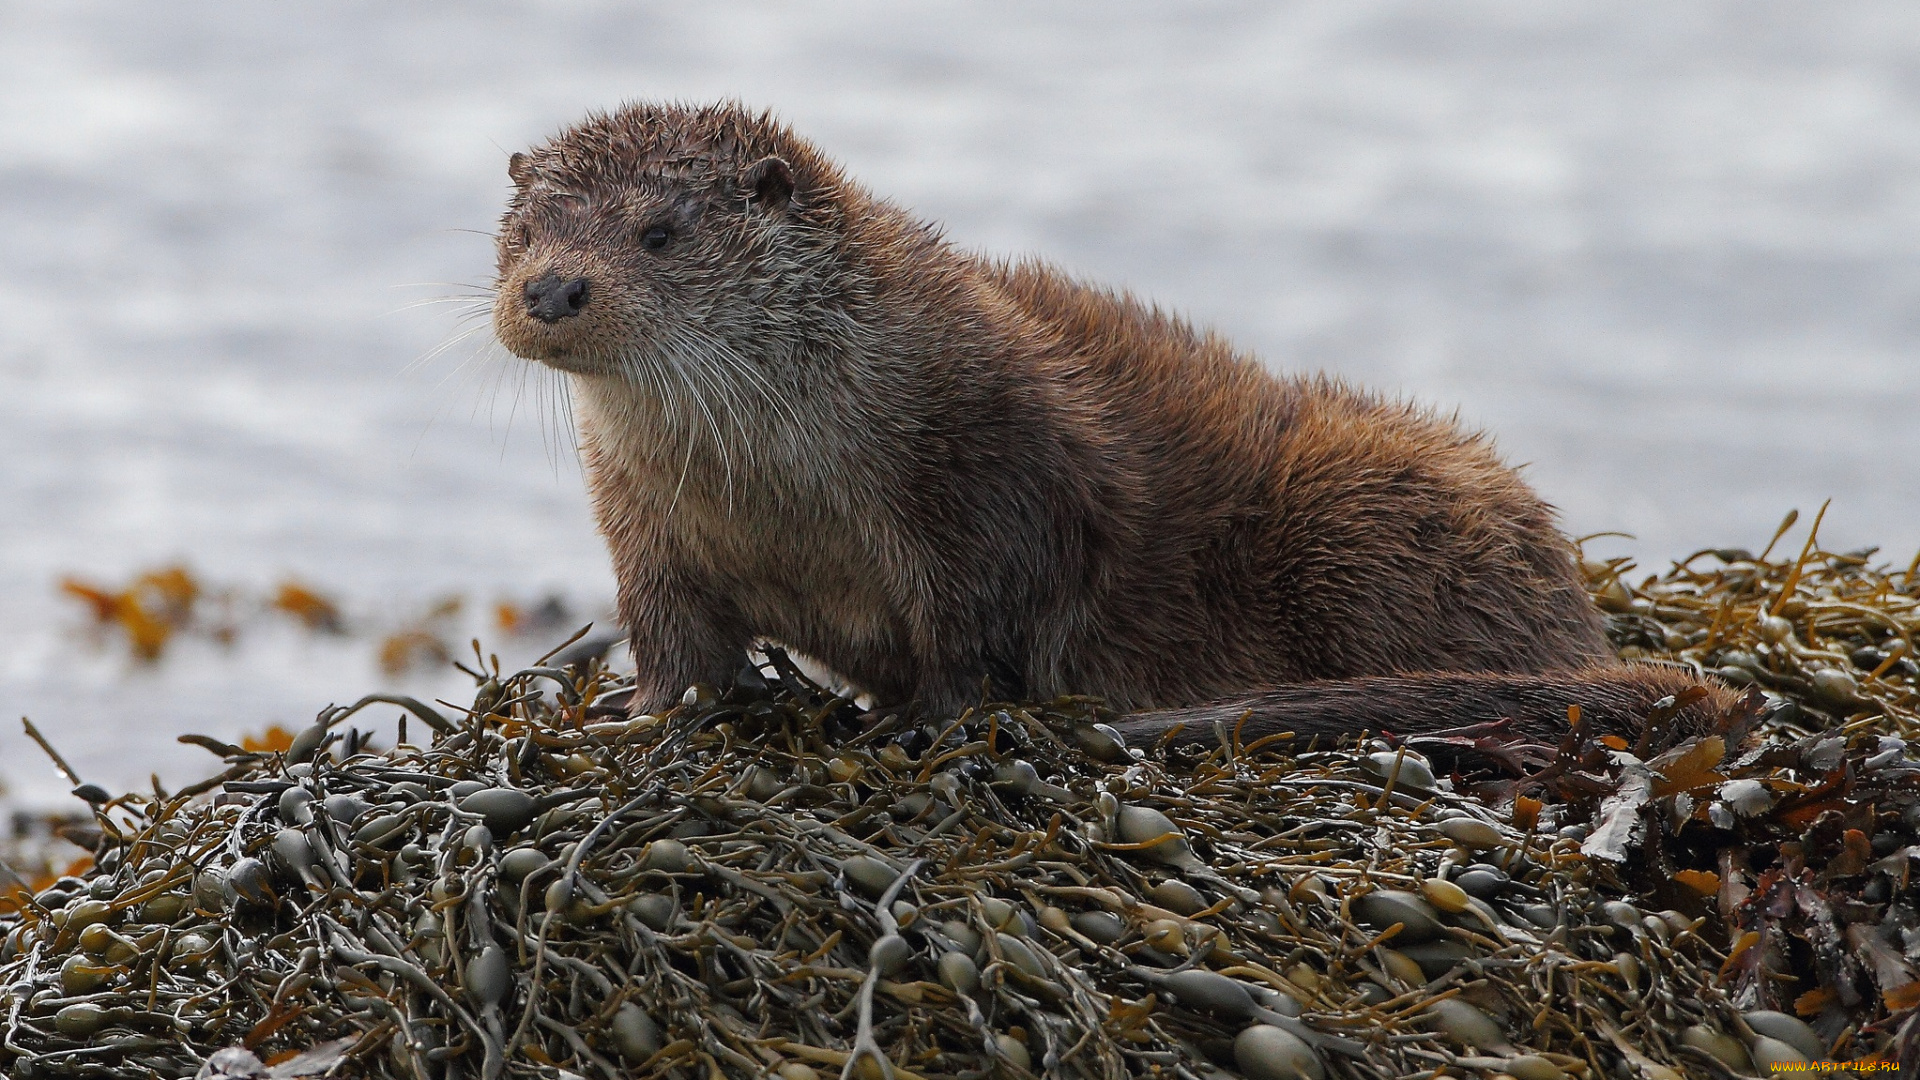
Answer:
(275, 738)
(509, 617)
(103, 603)
(172, 591)
(408, 649)
(149, 611)
(314, 610)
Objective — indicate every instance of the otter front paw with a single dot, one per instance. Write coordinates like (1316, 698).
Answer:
(667, 685)
(655, 700)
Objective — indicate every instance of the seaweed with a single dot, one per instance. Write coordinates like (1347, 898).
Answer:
(768, 881)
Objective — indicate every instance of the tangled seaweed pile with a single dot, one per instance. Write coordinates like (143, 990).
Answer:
(766, 883)
(1830, 631)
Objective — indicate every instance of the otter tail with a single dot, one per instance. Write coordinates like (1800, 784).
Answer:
(1616, 700)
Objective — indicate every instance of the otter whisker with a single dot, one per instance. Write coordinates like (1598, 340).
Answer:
(754, 377)
(441, 349)
(650, 379)
(720, 445)
(478, 290)
(481, 349)
(695, 364)
(566, 416)
(553, 417)
(698, 362)
(513, 408)
(714, 347)
(685, 465)
(481, 302)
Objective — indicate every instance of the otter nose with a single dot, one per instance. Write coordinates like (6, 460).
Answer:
(551, 299)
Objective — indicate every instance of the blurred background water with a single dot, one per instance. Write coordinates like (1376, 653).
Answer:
(1666, 253)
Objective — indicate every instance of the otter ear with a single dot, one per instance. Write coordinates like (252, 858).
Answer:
(520, 169)
(768, 182)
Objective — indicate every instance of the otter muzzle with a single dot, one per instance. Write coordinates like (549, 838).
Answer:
(551, 298)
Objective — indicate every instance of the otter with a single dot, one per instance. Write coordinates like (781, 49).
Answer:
(806, 416)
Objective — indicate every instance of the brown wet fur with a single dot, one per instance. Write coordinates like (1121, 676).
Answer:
(807, 417)
(1612, 699)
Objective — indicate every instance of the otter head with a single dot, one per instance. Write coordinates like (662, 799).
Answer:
(657, 235)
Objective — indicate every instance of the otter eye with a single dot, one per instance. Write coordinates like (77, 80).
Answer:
(655, 238)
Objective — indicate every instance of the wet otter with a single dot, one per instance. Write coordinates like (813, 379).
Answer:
(805, 416)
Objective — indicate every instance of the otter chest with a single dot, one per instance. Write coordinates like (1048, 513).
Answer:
(802, 578)
(777, 542)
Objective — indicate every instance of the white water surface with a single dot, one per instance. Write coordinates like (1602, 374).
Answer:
(1669, 254)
